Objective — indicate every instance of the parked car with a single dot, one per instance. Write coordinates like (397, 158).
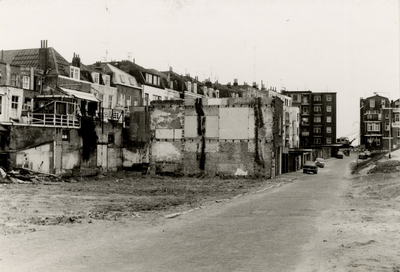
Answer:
(368, 153)
(320, 162)
(310, 168)
(339, 155)
(362, 156)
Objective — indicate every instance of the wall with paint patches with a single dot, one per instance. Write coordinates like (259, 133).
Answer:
(227, 137)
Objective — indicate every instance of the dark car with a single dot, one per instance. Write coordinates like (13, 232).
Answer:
(320, 162)
(368, 153)
(339, 155)
(362, 156)
(310, 168)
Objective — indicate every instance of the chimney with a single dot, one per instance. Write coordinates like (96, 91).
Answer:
(255, 85)
(170, 69)
(76, 61)
(229, 85)
(43, 56)
(196, 78)
(235, 82)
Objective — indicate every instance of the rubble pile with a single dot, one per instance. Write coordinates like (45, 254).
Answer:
(27, 176)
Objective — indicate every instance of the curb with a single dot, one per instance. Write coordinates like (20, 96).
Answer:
(173, 215)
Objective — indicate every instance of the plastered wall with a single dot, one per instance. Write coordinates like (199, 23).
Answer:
(229, 136)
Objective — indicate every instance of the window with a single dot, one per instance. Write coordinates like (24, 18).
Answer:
(328, 108)
(110, 101)
(131, 81)
(295, 97)
(328, 129)
(74, 72)
(305, 99)
(317, 140)
(383, 102)
(25, 82)
(146, 99)
(189, 86)
(387, 116)
(149, 78)
(65, 135)
(111, 138)
(386, 126)
(14, 102)
(1, 104)
(128, 101)
(13, 80)
(317, 98)
(27, 103)
(329, 97)
(328, 140)
(398, 133)
(106, 79)
(397, 118)
(372, 103)
(373, 127)
(329, 119)
(305, 110)
(317, 130)
(121, 99)
(171, 85)
(122, 78)
(96, 78)
(317, 108)
(156, 97)
(317, 119)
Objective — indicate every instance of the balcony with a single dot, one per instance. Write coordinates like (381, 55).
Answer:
(53, 120)
(113, 115)
(303, 123)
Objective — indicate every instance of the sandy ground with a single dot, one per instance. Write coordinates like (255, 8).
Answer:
(361, 234)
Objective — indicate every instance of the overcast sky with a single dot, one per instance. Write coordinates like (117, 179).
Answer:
(345, 46)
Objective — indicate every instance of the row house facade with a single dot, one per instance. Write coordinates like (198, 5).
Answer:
(379, 123)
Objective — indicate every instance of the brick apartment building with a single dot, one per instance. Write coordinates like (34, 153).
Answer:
(317, 117)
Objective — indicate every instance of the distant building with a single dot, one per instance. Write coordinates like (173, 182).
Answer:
(379, 123)
(318, 117)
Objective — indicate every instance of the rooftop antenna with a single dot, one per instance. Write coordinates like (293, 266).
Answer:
(129, 55)
(254, 79)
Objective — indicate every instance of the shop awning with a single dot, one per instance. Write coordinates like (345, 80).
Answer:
(80, 95)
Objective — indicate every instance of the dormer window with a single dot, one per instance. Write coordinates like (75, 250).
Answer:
(25, 82)
(372, 103)
(122, 78)
(106, 79)
(131, 81)
(74, 72)
(153, 79)
(96, 78)
(383, 102)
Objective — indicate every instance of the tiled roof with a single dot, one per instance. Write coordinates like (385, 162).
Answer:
(30, 58)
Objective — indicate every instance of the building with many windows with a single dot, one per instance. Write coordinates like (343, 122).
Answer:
(317, 117)
(379, 123)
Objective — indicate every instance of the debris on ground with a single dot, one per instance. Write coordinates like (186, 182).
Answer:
(27, 176)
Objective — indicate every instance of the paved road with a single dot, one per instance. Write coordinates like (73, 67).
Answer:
(266, 231)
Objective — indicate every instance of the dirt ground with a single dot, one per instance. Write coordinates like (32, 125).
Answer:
(119, 196)
(362, 234)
